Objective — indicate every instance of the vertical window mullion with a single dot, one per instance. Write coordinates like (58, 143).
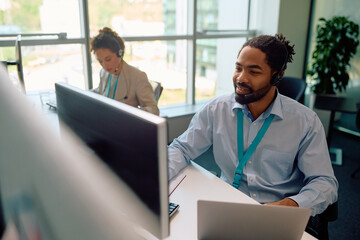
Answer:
(191, 65)
(85, 34)
(248, 17)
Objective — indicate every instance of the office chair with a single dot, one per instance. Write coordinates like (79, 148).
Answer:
(157, 88)
(358, 127)
(318, 225)
(292, 87)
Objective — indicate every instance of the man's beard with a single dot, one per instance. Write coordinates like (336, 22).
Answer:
(252, 96)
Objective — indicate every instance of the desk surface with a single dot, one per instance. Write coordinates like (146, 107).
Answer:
(201, 184)
(50, 114)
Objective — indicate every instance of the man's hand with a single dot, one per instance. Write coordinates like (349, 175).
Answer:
(284, 202)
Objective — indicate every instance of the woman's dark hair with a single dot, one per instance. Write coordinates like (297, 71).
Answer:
(107, 38)
(277, 49)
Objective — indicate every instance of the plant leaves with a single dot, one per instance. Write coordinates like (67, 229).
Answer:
(336, 44)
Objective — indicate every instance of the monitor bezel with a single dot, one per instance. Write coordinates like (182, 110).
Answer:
(161, 125)
(19, 62)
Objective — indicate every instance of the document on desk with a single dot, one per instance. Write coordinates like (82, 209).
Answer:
(175, 182)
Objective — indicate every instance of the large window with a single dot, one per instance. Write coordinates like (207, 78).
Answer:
(52, 45)
(189, 46)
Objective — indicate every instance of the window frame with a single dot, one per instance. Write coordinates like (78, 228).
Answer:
(191, 38)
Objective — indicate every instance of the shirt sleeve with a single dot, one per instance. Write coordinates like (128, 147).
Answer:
(192, 143)
(320, 185)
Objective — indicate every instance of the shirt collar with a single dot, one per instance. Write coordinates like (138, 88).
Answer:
(274, 108)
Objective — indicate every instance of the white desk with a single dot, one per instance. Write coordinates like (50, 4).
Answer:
(46, 111)
(201, 184)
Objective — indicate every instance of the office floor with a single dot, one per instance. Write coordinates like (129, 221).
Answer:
(347, 226)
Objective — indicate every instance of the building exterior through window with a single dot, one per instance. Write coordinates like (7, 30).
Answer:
(189, 46)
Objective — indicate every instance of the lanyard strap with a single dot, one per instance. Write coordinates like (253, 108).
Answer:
(243, 158)
(109, 83)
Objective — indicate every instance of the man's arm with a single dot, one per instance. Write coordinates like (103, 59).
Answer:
(192, 143)
(320, 185)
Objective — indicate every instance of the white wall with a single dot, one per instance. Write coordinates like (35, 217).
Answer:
(293, 23)
(289, 17)
(264, 16)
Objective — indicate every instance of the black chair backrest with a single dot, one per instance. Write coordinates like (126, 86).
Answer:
(157, 89)
(318, 225)
(292, 87)
(331, 212)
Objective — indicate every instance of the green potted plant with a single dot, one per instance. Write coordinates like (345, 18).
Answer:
(336, 43)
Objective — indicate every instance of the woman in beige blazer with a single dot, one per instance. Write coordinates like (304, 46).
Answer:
(119, 80)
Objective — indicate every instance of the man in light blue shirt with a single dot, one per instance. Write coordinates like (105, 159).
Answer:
(267, 145)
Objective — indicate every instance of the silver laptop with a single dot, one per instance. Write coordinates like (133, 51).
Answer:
(224, 220)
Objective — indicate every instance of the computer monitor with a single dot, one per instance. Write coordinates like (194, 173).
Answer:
(54, 188)
(132, 142)
(19, 63)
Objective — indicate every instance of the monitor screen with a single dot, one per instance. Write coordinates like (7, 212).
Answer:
(54, 188)
(130, 141)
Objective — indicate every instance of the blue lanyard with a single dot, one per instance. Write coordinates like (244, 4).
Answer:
(109, 83)
(243, 158)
